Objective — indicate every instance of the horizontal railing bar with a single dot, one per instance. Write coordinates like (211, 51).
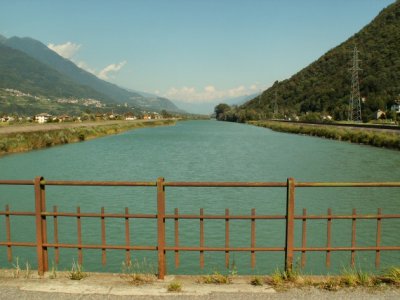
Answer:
(99, 215)
(124, 247)
(17, 182)
(371, 248)
(223, 217)
(374, 217)
(183, 216)
(97, 183)
(347, 184)
(170, 248)
(17, 213)
(225, 184)
(201, 184)
(18, 244)
(112, 247)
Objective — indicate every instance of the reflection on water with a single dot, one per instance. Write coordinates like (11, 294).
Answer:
(206, 151)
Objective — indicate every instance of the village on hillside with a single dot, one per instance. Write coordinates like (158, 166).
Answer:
(89, 115)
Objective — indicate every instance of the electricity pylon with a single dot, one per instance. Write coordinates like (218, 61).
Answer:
(354, 113)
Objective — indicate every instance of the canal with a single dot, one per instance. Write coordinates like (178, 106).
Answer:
(206, 151)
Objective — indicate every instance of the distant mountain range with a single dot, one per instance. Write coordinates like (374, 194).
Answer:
(30, 66)
(207, 108)
(324, 86)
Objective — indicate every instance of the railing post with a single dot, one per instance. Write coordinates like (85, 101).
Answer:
(41, 229)
(161, 227)
(289, 225)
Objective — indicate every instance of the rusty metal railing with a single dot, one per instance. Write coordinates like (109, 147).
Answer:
(41, 214)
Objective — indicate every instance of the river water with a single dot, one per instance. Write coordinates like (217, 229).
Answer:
(206, 151)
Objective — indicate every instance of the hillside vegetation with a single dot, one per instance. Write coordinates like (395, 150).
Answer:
(31, 67)
(324, 86)
(113, 93)
(21, 72)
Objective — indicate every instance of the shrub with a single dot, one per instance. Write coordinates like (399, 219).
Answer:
(256, 281)
(215, 278)
(76, 272)
(174, 286)
(138, 272)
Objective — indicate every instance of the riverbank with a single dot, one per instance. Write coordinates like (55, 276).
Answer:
(366, 136)
(24, 138)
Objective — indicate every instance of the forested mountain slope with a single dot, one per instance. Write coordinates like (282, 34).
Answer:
(324, 86)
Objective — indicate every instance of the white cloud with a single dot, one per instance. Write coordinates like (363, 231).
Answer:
(209, 89)
(66, 50)
(69, 49)
(85, 66)
(209, 93)
(104, 74)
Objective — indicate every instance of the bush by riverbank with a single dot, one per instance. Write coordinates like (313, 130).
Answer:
(47, 137)
(361, 136)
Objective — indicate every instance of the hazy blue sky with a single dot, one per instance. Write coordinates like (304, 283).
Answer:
(195, 50)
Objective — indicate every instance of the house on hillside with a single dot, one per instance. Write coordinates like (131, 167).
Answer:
(380, 115)
(146, 117)
(64, 118)
(7, 119)
(42, 118)
(396, 107)
(156, 116)
(99, 117)
(129, 116)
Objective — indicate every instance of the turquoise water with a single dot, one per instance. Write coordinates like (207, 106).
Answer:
(206, 151)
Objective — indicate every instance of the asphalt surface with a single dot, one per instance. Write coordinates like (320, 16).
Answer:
(116, 286)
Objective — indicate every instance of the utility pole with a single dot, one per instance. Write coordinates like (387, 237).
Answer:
(354, 113)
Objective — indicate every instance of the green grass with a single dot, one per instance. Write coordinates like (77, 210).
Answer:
(361, 136)
(390, 276)
(349, 278)
(16, 268)
(215, 278)
(174, 286)
(139, 272)
(256, 281)
(281, 277)
(77, 272)
(26, 141)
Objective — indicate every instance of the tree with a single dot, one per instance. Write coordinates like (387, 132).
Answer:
(220, 110)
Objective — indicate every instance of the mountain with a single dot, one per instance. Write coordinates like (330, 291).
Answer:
(167, 104)
(21, 72)
(114, 93)
(240, 99)
(2, 39)
(207, 108)
(324, 85)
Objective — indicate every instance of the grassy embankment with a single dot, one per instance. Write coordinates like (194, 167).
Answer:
(354, 135)
(30, 140)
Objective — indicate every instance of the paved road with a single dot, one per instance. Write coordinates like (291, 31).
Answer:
(113, 286)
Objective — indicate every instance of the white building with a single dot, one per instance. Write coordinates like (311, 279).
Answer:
(396, 108)
(42, 118)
